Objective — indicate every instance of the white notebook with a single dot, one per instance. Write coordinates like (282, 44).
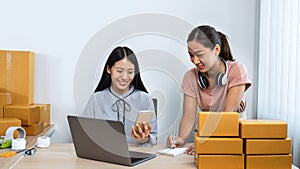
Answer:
(172, 151)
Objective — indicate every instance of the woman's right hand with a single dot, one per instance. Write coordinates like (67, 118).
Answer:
(141, 135)
(178, 142)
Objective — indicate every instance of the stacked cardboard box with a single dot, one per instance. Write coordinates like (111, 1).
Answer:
(17, 81)
(266, 144)
(5, 99)
(44, 114)
(16, 69)
(222, 141)
(217, 144)
(5, 123)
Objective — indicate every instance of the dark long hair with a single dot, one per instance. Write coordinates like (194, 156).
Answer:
(209, 37)
(116, 55)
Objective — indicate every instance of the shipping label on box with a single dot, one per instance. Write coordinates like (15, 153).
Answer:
(268, 146)
(17, 75)
(218, 124)
(263, 129)
(268, 161)
(27, 114)
(218, 145)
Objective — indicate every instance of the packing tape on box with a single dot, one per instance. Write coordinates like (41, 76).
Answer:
(43, 142)
(9, 135)
(18, 144)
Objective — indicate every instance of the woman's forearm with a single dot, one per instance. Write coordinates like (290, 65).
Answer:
(188, 118)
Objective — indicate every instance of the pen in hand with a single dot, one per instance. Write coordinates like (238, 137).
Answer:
(173, 140)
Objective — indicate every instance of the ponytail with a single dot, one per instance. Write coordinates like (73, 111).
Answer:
(225, 48)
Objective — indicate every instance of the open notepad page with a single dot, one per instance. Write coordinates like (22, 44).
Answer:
(172, 151)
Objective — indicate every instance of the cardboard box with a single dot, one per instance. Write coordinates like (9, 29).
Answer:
(220, 161)
(218, 145)
(218, 124)
(268, 161)
(195, 154)
(34, 129)
(268, 146)
(263, 129)
(27, 114)
(5, 99)
(44, 114)
(17, 75)
(196, 159)
(5, 123)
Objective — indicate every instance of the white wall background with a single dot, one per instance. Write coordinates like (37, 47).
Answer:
(59, 31)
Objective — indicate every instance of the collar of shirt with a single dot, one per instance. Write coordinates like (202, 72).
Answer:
(122, 95)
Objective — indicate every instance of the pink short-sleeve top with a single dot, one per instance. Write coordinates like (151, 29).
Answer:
(214, 99)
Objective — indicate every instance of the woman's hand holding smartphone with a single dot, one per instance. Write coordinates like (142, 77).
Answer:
(142, 127)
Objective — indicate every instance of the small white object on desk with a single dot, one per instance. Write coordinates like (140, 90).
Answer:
(18, 144)
(43, 142)
(172, 151)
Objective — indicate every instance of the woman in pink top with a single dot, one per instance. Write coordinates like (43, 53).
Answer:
(216, 84)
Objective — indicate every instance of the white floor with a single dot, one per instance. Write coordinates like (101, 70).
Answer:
(294, 167)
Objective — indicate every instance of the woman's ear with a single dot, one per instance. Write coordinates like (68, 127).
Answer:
(108, 69)
(217, 50)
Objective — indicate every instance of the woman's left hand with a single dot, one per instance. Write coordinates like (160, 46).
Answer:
(140, 135)
(190, 150)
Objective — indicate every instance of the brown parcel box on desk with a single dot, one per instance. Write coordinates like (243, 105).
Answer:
(33, 129)
(220, 161)
(268, 146)
(218, 145)
(218, 124)
(263, 129)
(5, 99)
(17, 75)
(45, 114)
(27, 114)
(268, 161)
(5, 123)
(195, 154)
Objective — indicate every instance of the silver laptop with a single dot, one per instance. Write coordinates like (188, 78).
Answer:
(103, 140)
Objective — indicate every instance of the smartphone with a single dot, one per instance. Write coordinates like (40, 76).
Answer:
(143, 116)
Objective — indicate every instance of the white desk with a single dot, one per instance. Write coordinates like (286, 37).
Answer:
(63, 156)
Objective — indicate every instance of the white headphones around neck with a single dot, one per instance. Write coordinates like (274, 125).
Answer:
(221, 77)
